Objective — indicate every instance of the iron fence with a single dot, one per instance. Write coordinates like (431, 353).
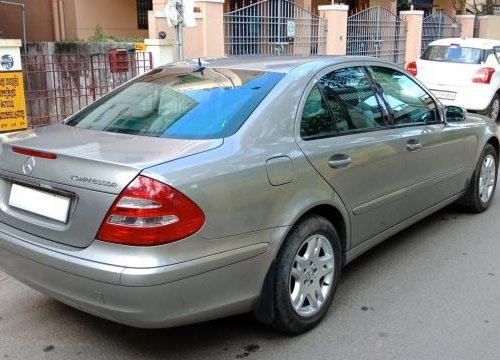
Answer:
(438, 26)
(57, 86)
(274, 27)
(377, 32)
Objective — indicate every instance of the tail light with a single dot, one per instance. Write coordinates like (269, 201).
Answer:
(483, 75)
(149, 212)
(412, 68)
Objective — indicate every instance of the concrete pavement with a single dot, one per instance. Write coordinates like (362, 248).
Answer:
(430, 292)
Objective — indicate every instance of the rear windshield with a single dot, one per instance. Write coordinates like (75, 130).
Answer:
(176, 102)
(455, 54)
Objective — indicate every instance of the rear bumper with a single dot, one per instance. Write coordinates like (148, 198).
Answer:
(476, 97)
(99, 289)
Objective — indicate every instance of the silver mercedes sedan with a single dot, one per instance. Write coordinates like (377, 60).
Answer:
(203, 190)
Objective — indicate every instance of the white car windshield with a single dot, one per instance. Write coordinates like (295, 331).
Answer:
(453, 53)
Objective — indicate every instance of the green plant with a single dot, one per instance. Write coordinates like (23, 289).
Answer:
(101, 36)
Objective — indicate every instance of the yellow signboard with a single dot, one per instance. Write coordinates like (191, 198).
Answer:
(140, 47)
(12, 104)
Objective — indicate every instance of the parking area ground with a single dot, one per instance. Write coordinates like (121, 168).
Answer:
(430, 292)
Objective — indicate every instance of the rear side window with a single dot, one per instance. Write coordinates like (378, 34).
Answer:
(176, 102)
(317, 120)
(454, 54)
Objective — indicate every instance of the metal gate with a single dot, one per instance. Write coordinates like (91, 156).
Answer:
(377, 32)
(438, 26)
(274, 27)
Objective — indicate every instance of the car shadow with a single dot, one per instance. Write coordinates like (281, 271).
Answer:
(239, 336)
(406, 237)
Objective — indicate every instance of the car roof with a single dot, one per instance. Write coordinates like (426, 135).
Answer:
(282, 64)
(469, 42)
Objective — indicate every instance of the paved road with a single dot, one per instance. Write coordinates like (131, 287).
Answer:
(431, 292)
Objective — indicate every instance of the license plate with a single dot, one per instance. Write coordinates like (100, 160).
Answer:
(445, 95)
(38, 202)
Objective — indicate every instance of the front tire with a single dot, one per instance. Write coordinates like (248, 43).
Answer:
(308, 269)
(483, 182)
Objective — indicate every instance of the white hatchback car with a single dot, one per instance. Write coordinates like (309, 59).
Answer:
(462, 72)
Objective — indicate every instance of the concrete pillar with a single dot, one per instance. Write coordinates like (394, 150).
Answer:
(489, 27)
(206, 39)
(336, 17)
(483, 25)
(157, 22)
(161, 51)
(467, 24)
(413, 20)
(210, 26)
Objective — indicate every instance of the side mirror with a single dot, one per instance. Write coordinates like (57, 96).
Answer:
(455, 114)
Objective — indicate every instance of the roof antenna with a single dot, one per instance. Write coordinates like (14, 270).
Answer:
(200, 67)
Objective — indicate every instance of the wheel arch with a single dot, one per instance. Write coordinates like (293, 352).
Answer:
(495, 143)
(264, 310)
(334, 216)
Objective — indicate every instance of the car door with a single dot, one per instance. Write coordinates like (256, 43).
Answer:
(346, 136)
(435, 166)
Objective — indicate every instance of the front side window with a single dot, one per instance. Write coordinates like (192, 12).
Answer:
(409, 103)
(352, 101)
(176, 102)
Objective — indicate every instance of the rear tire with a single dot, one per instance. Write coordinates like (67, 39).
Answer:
(483, 182)
(307, 272)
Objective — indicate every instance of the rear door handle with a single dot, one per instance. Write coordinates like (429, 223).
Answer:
(339, 161)
(413, 145)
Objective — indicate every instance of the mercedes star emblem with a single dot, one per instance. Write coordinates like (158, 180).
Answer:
(29, 165)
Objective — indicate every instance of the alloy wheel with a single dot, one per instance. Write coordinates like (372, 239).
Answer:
(487, 178)
(311, 275)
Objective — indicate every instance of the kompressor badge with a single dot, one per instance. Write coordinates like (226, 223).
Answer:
(93, 181)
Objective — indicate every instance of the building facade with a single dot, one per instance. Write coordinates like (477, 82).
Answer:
(56, 20)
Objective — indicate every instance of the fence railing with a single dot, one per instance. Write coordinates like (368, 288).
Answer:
(58, 85)
(377, 32)
(437, 26)
(274, 27)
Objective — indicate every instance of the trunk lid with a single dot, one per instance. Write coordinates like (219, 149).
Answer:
(90, 170)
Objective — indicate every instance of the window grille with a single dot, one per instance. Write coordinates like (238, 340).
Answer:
(143, 6)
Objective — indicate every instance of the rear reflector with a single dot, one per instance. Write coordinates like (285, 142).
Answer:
(412, 68)
(149, 212)
(34, 153)
(483, 75)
